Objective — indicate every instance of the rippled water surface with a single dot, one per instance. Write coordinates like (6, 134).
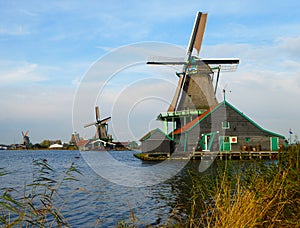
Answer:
(102, 202)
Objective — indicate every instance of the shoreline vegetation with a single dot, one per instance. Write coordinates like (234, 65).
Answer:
(256, 194)
(59, 145)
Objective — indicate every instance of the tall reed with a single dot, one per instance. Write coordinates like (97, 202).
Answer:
(36, 206)
(261, 195)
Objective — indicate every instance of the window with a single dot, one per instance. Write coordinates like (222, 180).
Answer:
(226, 139)
(247, 139)
(225, 125)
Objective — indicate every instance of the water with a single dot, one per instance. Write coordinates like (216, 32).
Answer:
(100, 202)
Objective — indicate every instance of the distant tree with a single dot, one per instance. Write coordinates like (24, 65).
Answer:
(36, 146)
(58, 141)
(133, 144)
(45, 144)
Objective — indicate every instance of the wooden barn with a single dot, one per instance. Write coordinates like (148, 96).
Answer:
(225, 128)
(220, 129)
(157, 143)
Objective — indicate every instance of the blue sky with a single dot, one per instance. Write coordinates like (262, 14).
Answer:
(48, 47)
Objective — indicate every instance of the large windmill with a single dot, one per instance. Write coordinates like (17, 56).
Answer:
(195, 92)
(199, 123)
(101, 127)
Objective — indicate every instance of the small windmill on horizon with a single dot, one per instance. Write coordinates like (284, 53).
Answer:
(101, 127)
(25, 139)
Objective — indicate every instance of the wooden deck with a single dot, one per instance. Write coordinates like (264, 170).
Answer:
(208, 155)
(236, 155)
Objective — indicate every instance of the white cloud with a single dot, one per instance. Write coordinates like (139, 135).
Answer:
(28, 13)
(45, 111)
(15, 30)
(19, 72)
(290, 46)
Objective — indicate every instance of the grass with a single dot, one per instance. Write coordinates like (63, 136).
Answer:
(259, 196)
(36, 206)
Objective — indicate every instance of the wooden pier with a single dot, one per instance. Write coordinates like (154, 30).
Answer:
(208, 155)
(236, 155)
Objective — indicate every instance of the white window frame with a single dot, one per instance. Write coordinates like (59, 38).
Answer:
(225, 125)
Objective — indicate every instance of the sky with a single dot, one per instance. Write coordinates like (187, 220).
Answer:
(49, 50)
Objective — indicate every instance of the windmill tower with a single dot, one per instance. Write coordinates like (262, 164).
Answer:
(25, 140)
(195, 92)
(101, 127)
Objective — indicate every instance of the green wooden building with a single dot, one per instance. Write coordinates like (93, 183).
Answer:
(225, 128)
(218, 129)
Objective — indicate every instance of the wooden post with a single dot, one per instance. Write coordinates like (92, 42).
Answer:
(185, 142)
(165, 126)
(173, 127)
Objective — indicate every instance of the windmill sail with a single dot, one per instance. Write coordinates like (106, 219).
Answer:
(97, 113)
(176, 96)
(198, 33)
(195, 42)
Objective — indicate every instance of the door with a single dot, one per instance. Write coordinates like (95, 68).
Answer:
(203, 142)
(206, 141)
(274, 143)
(225, 143)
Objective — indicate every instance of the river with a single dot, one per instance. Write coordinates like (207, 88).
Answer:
(102, 202)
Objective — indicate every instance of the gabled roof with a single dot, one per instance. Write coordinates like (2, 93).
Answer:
(150, 133)
(82, 142)
(199, 119)
(193, 122)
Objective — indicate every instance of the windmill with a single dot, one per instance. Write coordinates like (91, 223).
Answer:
(101, 127)
(197, 73)
(25, 140)
(195, 91)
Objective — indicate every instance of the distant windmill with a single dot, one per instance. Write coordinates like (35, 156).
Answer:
(25, 140)
(195, 88)
(101, 126)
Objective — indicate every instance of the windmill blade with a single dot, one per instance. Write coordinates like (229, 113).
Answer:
(221, 61)
(90, 124)
(197, 33)
(166, 60)
(97, 113)
(195, 42)
(166, 63)
(217, 81)
(176, 96)
(104, 121)
(26, 133)
(23, 134)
